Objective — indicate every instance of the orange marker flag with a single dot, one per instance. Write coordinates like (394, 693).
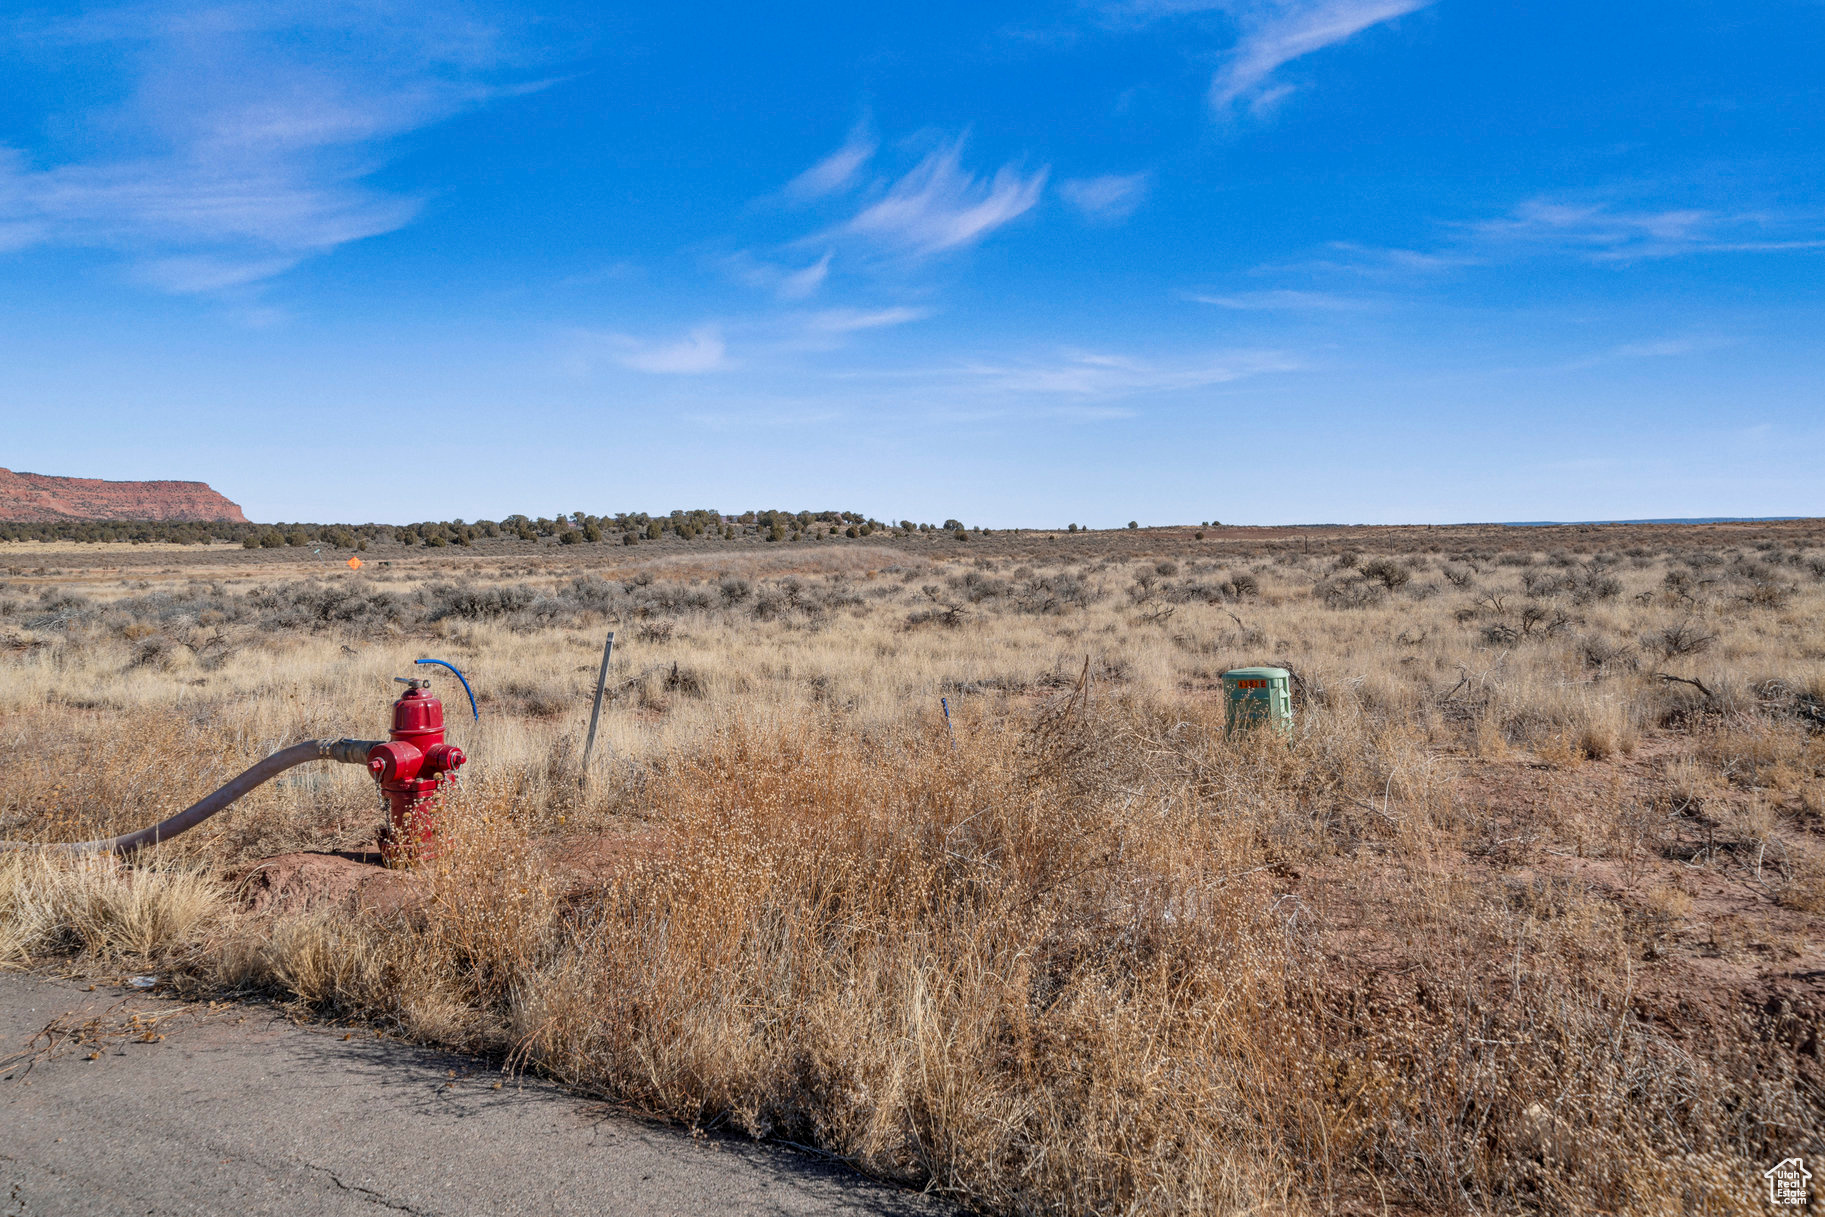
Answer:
(354, 563)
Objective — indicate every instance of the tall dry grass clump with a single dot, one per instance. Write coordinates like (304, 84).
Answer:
(945, 966)
(50, 905)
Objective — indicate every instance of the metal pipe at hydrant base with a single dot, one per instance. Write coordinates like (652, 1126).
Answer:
(347, 751)
(408, 767)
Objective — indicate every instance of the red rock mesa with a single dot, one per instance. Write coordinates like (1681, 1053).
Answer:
(34, 497)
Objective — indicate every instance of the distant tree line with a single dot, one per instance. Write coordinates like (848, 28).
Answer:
(569, 528)
(182, 532)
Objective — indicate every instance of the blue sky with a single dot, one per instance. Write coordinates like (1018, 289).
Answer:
(1168, 260)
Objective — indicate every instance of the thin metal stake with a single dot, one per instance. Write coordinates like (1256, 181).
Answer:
(595, 713)
(945, 702)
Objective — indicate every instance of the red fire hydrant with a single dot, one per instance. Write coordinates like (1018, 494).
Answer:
(409, 768)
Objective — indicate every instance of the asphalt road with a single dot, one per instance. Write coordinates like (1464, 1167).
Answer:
(237, 1112)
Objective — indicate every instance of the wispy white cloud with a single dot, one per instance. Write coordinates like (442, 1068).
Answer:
(208, 273)
(798, 284)
(619, 271)
(1108, 198)
(1068, 385)
(1284, 300)
(1095, 374)
(953, 411)
(939, 205)
(1269, 34)
(765, 414)
(1663, 348)
(197, 223)
(702, 350)
(1651, 348)
(1390, 266)
(839, 170)
(776, 340)
(1601, 232)
(824, 329)
(769, 272)
(246, 135)
(1605, 233)
(1385, 261)
(1091, 414)
(1276, 32)
(850, 320)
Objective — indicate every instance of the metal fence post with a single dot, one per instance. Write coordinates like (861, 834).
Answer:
(595, 713)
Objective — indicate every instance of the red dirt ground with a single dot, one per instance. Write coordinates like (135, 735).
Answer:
(353, 881)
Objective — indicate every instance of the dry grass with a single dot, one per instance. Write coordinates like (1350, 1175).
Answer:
(1513, 922)
(107, 911)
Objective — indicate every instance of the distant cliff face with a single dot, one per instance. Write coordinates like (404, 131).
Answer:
(34, 497)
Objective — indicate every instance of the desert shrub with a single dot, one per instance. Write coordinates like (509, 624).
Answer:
(1351, 593)
(1544, 583)
(687, 681)
(1789, 699)
(334, 605)
(1605, 655)
(1594, 586)
(1766, 592)
(1387, 572)
(1055, 593)
(654, 631)
(1541, 620)
(1684, 637)
(470, 602)
(594, 592)
(977, 587)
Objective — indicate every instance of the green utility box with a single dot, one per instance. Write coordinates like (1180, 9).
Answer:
(1258, 695)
